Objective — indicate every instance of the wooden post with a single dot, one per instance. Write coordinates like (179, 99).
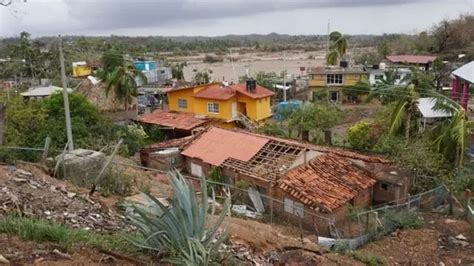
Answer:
(47, 143)
(97, 179)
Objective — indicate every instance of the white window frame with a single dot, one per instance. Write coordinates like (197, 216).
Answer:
(196, 170)
(333, 79)
(180, 104)
(293, 207)
(213, 108)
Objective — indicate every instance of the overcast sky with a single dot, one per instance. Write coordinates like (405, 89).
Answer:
(221, 17)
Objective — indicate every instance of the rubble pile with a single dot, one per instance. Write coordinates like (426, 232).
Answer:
(41, 197)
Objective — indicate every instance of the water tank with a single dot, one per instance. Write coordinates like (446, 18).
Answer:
(382, 66)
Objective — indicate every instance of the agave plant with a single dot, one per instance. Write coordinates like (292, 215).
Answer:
(179, 232)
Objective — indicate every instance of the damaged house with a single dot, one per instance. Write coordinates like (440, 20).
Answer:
(303, 178)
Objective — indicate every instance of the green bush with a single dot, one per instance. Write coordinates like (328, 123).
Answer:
(401, 220)
(116, 182)
(369, 259)
(359, 136)
(134, 137)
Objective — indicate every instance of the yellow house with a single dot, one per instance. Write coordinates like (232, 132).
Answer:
(81, 69)
(332, 80)
(238, 102)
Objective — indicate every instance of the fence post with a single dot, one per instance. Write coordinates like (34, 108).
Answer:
(47, 143)
(96, 181)
(467, 197)
(271, 211)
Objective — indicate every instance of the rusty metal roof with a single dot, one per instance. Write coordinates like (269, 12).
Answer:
(218, 144)
(327, 182)
(172, 119)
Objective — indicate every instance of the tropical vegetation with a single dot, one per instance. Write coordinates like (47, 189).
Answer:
(181, 232)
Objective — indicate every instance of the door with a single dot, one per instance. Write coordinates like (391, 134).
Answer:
(334, 96)
(234, 110)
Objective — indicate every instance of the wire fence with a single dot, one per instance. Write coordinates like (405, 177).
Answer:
(356, 227)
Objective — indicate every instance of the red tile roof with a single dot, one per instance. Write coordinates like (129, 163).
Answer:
(178, 120)
(411, 59)
(327, 182)
(218, 144)
(218, 92)
(260, 92)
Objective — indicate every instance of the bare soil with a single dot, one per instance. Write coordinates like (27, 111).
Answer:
(429, 245)
(21, 252)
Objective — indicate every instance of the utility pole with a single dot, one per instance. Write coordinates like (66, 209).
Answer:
(329, 32)
(66, 99)
(284, 76)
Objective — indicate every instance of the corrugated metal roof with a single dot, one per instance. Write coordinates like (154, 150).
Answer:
(43, 91)
(412, 59)
(328, 181)
(426, 107)
(178, 120)
(466, 72)
(217, 144)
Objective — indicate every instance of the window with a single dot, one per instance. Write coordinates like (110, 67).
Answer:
(379, 77)
(196, 170)
(293, 207)
(213, 108)
(182, 103)
(398, 76)
(384, 186)
(334, 79)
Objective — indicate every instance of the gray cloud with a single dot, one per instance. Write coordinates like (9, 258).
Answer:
(113, 14)
(221, 17)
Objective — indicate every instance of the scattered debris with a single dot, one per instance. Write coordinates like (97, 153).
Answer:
(39, 195)
(3, 260)
(461, 237)
(242, 211)
(61, 254)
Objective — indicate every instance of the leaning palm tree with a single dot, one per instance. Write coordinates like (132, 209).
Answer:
(123, 81)
(405, 109)
(337, 47)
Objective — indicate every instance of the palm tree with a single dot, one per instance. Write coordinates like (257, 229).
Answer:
(337, 48)
(405, 109)
(123, 80)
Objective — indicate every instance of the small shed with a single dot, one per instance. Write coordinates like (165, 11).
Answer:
(429, 114)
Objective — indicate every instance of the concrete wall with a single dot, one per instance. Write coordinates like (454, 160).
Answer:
(348, 79)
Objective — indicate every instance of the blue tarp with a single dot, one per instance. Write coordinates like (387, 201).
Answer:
(284, 107)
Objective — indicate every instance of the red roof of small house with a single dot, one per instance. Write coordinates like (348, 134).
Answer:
(327, 182)
(411, 59)
(178, 120)
(217, 144)
(219, 92)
